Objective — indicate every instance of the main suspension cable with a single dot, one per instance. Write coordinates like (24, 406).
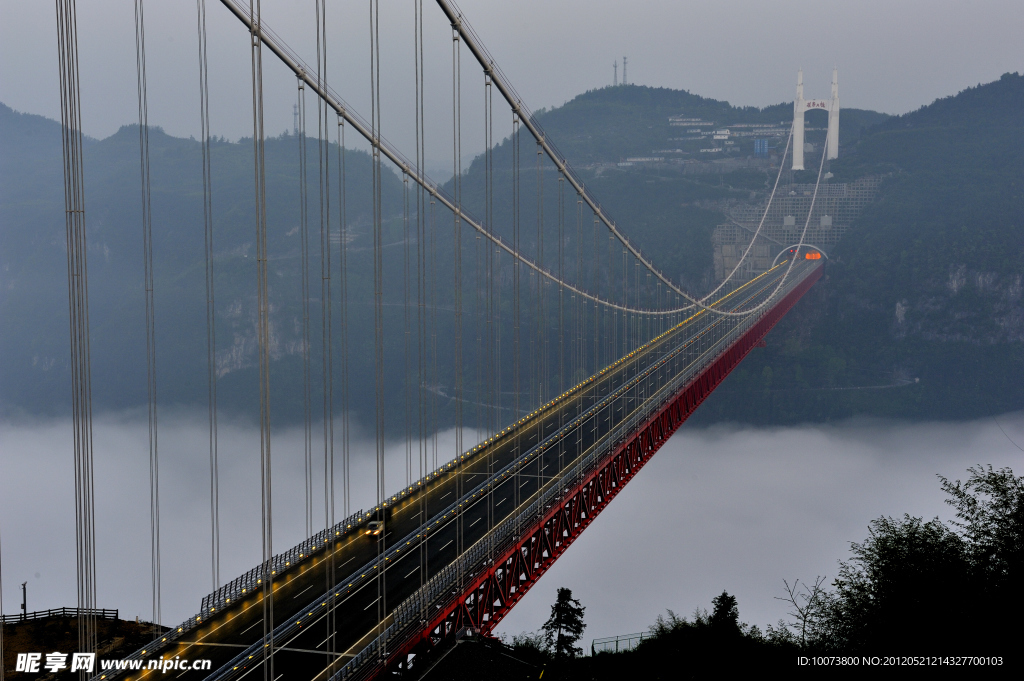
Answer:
(382, 147)
(487, 62)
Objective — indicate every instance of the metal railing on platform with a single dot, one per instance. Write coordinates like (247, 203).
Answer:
(59, 612)
(616, 644)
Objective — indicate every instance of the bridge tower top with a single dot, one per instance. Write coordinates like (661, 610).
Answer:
(801, 105)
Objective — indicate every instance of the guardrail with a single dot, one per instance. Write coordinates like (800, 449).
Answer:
(59, 612)
(241, 586)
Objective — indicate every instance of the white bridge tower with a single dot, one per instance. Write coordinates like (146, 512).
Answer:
(800, 105)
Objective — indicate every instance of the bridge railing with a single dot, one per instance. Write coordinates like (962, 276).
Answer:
(441, 590)
(253, 579)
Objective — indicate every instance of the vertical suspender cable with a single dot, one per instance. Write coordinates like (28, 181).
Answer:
(490, 393)
(435, 380)
(78, 317)
(2, 674)
(407, 329)
(307, 389)
(378, 312)
(561, 289)
(611, 345)
(638, 296)
(263, 316)
(540, 367)
(479, 314)
(561, 297)
(496, 273)
(581, 303)
(579, 368)
(537, 339)
(421, 283)
(597, 320)
(624, 348)
(457, 185)
(479, 324)
(327, 359)
(147, 256)
(327, 349)
(346, 497)
(515, 307)
(211, 333)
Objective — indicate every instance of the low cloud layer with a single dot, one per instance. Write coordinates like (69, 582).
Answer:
(741, 509)
(37, 527)
(727, 507)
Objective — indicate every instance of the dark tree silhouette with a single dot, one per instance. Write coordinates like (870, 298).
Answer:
(565, 626)
(726, 613)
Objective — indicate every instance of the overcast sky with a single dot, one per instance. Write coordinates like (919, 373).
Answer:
(893, 56)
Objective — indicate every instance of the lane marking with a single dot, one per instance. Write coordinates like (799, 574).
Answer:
(251, 626)
(474, 522)
(371, 603)
(303, 591)
(446, 545)
(412, 573)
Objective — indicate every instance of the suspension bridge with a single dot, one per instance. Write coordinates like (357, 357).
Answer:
(603, 354)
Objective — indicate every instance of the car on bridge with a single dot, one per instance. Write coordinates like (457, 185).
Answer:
(374, 528)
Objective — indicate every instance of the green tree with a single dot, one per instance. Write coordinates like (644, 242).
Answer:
(565, 626)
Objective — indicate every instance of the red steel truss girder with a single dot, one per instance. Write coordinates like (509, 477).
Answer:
(491, 594)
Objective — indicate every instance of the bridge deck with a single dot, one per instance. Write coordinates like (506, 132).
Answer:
(334, 594)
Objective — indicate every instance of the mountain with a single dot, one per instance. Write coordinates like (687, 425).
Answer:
(34, 353)
(919, 314)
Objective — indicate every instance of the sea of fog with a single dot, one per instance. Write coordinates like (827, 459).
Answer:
(724, 508)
